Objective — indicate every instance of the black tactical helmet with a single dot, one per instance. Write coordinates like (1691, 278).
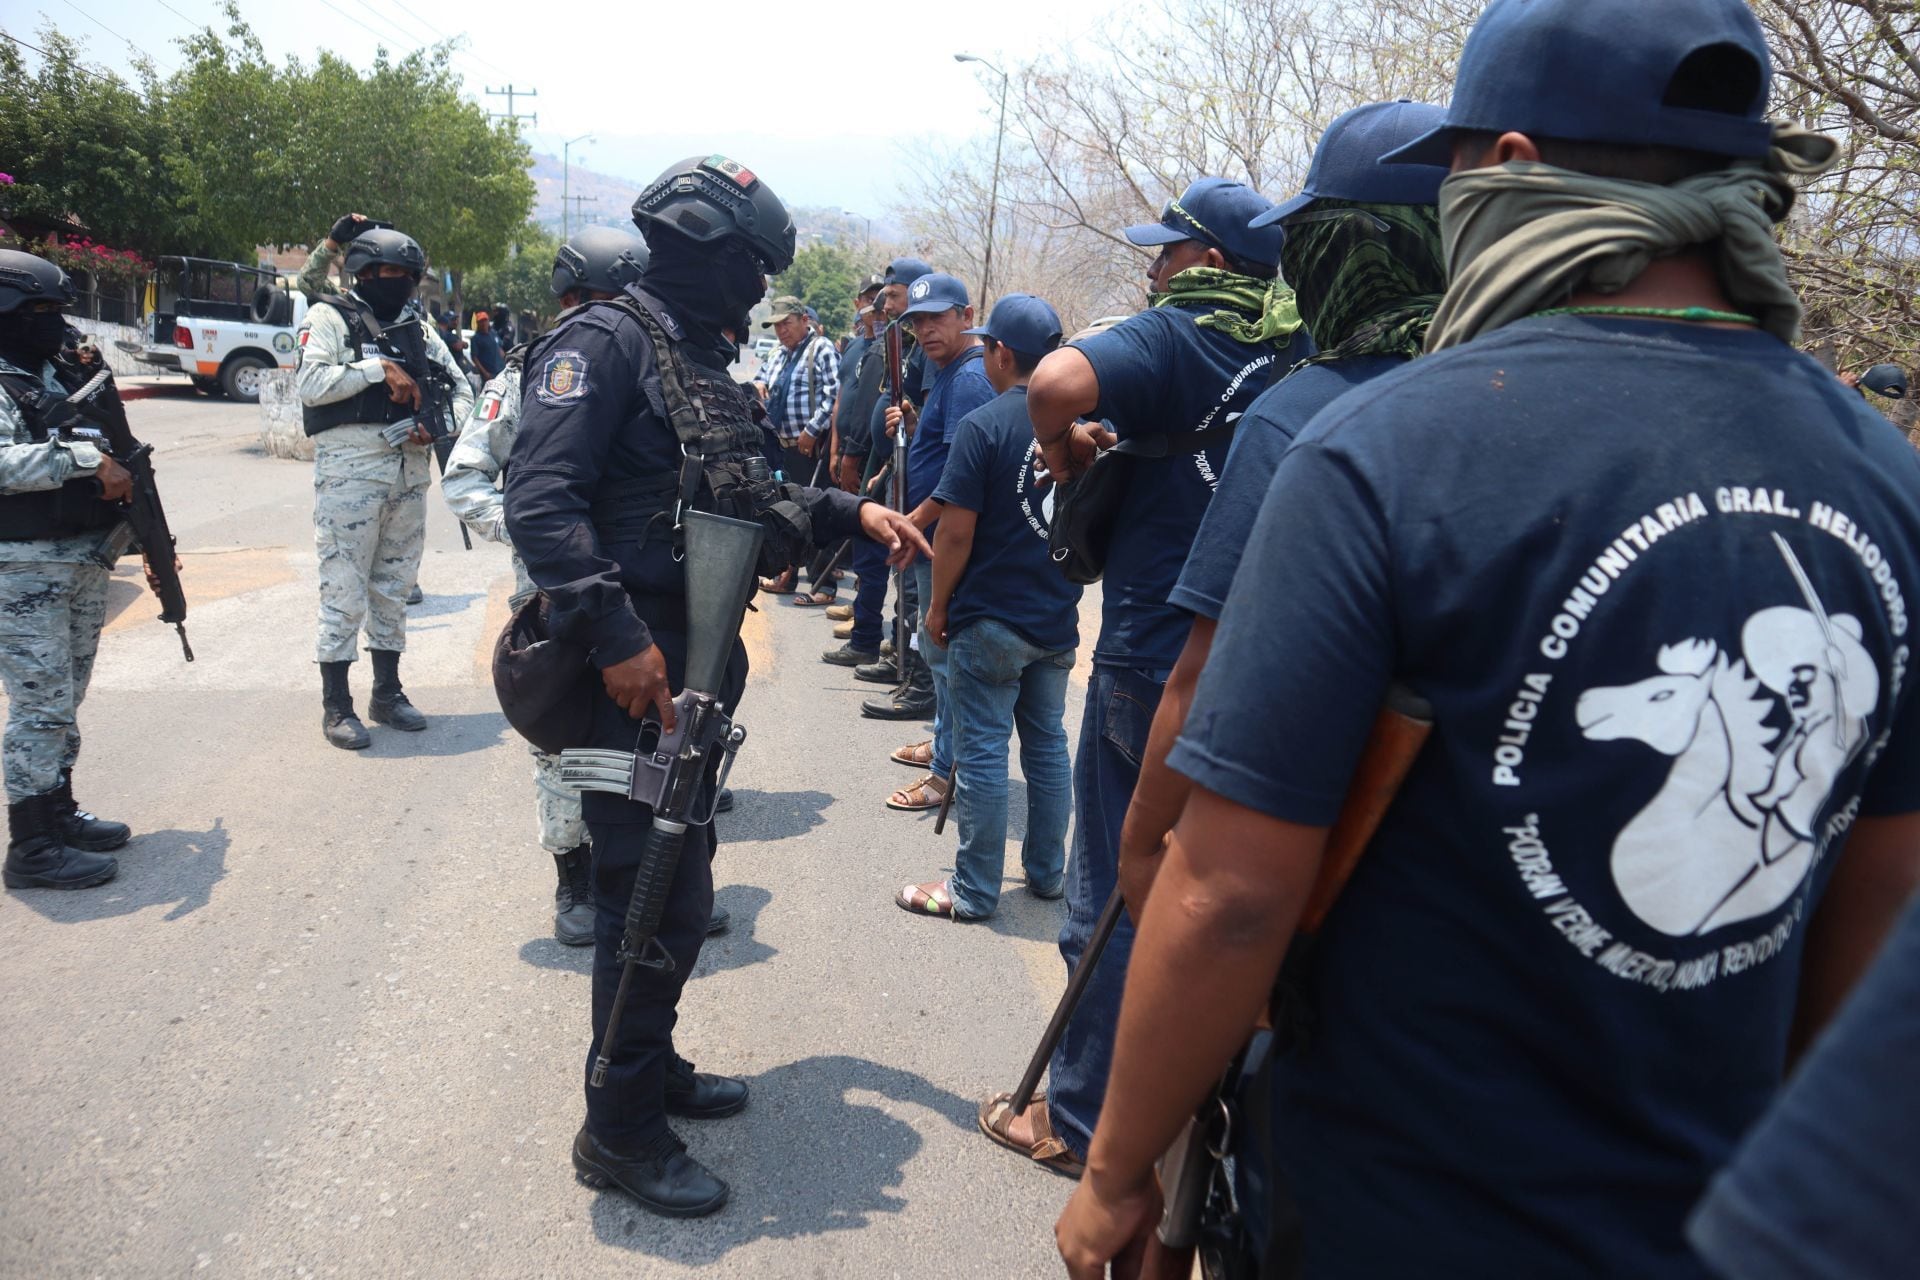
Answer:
(384, 245)
(1890, 380)
(25, 278)
(604, 258)
(708, 198)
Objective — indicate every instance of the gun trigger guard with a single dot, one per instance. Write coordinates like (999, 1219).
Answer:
(730, 749)
(1220, 1141)
(654, 956)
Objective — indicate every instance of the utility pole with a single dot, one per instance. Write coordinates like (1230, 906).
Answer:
(566, 181)
(577, 201)
(510, 93)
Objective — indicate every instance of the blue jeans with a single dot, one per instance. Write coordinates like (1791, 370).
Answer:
(936, 659)
(997, 680)
(870, 599)
(1113, 737)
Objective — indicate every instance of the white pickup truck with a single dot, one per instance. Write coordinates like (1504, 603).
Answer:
(223, 324)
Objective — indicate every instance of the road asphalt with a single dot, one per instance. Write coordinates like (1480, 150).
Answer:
(318, 1026)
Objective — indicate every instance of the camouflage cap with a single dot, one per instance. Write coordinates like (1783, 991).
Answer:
(784, 306)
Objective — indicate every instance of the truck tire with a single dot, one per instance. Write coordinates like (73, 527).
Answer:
(272, 306)
(240, 377)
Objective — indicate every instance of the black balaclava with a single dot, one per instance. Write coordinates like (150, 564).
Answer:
(710, 287)
(386, 295)
(28, 338)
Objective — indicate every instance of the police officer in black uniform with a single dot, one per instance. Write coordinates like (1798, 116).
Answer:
(627, 405)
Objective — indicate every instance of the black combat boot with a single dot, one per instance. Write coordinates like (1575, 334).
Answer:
(36, 857)
(573, 897)
(699, 1096)
(337, 721)
(80, 829)
(389, 705)
(660, 1175)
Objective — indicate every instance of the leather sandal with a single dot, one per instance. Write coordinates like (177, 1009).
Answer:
(996, 1121)
(917, 756)
(811, 600)
(932, 899)
(920, 796)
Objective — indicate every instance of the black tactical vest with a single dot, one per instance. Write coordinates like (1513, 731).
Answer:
(723, 450)
(76, 506)
(374, 405)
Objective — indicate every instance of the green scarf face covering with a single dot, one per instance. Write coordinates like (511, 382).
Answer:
(1367, 283)
(1522, 237)
(1247, 309)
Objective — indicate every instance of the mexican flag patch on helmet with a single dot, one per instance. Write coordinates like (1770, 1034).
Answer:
(732, 170)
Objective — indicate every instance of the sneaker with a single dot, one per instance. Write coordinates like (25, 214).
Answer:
(840, 612)
(843, 630)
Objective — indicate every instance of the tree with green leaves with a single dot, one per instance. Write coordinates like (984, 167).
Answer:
(827, 278)
(81, 142)
(523, 281)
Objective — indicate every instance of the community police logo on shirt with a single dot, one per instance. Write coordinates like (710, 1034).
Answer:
(1034, 491)
(1753, 734)
(564, 378)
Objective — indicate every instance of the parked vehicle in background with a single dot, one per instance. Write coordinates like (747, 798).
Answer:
(223, 324)
(763, 347)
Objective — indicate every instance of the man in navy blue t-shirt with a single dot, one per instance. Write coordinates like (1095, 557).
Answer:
(940, 313)
(1363, 256)
(1009, 621)
(1650, 568)
(1173, 382)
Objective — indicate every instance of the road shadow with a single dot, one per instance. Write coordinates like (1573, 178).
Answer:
(156, 868)
(737, 947)
(547, 953)
(771, 815)
(805, 1159)
(435, 606)
(122, 593)
(445, 735)
(1021, 915)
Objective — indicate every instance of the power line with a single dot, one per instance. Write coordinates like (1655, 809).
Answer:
(88, 72)
(510, 93)
(137, 50)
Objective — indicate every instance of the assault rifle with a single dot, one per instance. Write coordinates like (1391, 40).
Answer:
(98, 401)
(667, 770)
(436, 402)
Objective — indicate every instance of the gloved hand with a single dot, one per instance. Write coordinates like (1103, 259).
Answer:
(347, 226)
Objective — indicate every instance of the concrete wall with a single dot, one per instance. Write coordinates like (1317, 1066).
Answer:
(281, 433)
(122, 364)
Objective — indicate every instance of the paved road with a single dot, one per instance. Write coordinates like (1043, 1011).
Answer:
(318, 1025)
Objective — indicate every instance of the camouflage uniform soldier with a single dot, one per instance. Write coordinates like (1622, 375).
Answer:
(596, 263)
(363, 358)
(60, 529)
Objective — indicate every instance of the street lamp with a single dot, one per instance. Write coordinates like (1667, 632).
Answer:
(993, 193)
(866, 243)
(566, 176)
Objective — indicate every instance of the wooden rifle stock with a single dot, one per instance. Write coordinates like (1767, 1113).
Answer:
(1398, 734)
(898, 486)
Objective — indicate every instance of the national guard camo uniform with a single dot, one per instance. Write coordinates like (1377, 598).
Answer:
(53, 602)
(315, 279)
(471, 488)
(369, 507)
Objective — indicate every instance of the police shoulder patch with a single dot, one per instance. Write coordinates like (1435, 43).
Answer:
(564, 377)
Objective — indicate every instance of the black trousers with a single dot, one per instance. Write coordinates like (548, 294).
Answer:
(630, 1108)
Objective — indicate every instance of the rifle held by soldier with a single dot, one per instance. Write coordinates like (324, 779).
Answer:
(98, 400)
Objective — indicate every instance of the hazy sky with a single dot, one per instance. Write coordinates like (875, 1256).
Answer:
(656, 81)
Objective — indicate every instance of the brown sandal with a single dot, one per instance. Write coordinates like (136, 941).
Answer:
(921, 796)
(926, 900)
(917, 756)
(996, 1121)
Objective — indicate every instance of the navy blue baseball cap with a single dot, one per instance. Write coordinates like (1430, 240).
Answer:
(1609, 71)
(1347, 164)
(935, 292)
(1217, 212)
(1027, 324)
(905, 271)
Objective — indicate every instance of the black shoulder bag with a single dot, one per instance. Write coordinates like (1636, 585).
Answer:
(1086, 507)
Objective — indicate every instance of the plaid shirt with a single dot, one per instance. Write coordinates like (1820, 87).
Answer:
(807, 404)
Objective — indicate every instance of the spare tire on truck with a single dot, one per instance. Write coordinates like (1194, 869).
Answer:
(272, 306)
